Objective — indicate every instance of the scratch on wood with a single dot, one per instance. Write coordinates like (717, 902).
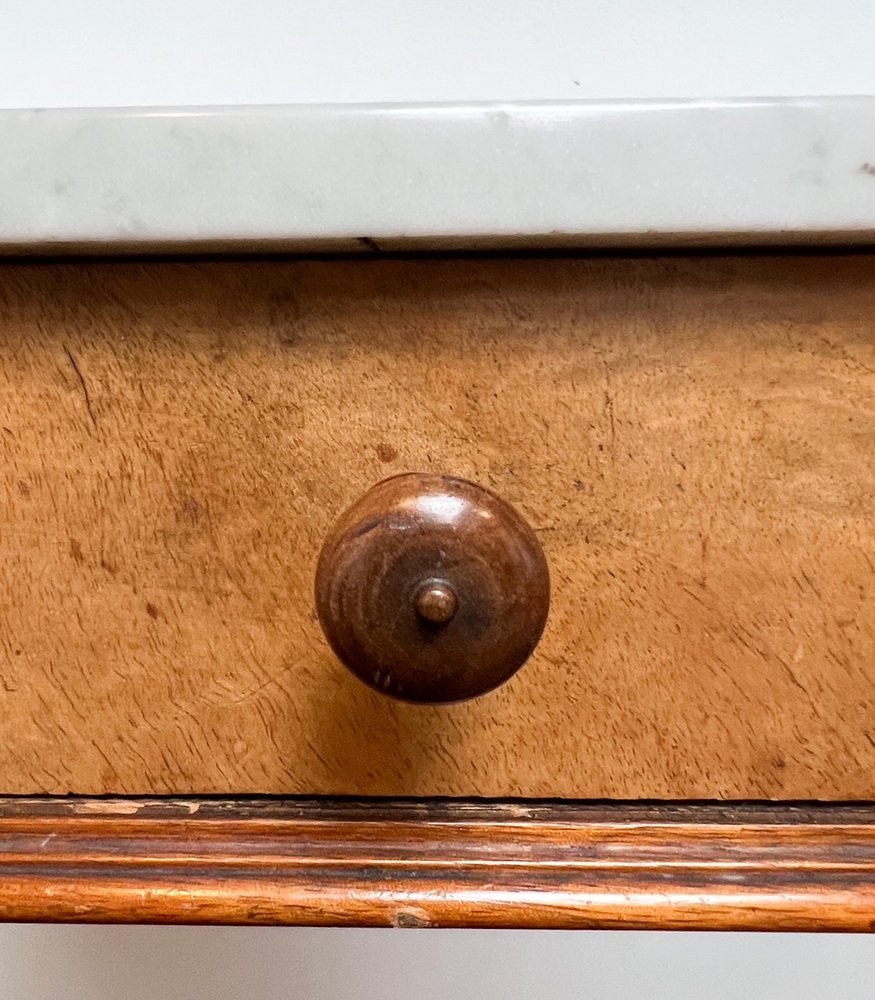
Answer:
(411, 917)
(370, 243)
(102, 807)
(83, 383)
(609, 409)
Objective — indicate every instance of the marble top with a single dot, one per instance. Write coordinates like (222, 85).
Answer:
(371, 177)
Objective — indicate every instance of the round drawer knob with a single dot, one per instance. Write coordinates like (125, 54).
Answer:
(432, 589)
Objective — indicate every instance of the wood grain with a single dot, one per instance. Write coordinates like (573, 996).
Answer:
(426, 864)
(692, 438)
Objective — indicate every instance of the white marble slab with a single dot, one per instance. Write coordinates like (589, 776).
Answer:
(385, 176)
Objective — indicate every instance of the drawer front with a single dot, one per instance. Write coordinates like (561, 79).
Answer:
(693, 441)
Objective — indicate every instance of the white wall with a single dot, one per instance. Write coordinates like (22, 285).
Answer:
(130, 52)
(196, 963)
(114, 52)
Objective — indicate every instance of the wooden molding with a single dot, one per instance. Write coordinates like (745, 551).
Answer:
(441, 864)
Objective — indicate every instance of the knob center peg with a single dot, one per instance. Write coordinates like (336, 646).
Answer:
(436, 602)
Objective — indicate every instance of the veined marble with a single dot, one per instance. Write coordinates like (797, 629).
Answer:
(366, 177)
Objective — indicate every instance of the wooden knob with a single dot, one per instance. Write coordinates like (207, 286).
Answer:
(432, 589)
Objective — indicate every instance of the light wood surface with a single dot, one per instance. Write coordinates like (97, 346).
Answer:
(454, 864)
(692, 439)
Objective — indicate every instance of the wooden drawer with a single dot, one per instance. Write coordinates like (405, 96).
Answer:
(692, 439)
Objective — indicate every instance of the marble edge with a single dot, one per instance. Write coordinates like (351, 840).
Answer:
(367, 178)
